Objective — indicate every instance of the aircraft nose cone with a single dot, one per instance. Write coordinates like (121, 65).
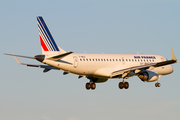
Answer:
(39, 58)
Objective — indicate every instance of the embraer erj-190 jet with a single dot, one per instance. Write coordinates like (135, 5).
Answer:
(99, 68)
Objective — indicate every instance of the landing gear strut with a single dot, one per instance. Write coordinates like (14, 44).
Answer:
(124, 85)
(90, 85)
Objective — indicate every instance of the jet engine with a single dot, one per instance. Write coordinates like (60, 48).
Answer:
(148, 76)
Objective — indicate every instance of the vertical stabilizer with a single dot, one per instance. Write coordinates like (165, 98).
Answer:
(48, 43)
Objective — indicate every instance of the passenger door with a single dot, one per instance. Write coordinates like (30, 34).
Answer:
(75, 61)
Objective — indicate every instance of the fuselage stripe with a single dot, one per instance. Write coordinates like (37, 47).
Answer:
(43, 44)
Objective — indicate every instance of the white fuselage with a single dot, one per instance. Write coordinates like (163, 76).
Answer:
(102, 65)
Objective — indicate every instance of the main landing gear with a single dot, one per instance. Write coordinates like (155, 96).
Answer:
(157, 84)
(124, 85)
(90, 85)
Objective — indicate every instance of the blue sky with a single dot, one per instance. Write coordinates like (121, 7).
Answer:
(93, 26)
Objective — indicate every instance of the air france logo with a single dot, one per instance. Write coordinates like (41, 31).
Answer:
(144, 57)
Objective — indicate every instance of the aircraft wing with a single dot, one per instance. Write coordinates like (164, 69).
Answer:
(137, 69)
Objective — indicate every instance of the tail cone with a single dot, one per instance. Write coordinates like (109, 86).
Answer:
(39, 58)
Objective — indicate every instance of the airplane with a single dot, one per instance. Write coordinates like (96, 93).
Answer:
(98, 68)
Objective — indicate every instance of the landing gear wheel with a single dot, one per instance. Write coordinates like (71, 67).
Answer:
(121, 85)
(93, 86)
(126, 85)
(88, 86)
(157, 85)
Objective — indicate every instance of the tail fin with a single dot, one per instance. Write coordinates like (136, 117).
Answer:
(48, 43)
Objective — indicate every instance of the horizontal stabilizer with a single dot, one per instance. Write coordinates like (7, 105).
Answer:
(46, 67)
(57, 57)
(19, 56)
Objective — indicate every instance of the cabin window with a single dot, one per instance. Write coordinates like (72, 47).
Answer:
(80, 59)
(130, 60)
(122, 59)
(150, 60)
(93, 59)
(89, 59)
(107, 59)
(101, 59)
(113, 59)
(98, 59)
(104, 59)
(126, 60)
(110, 59)
(119, 59)
(84, 59)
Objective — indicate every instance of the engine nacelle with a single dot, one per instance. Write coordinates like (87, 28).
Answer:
(148, 76)
(96, 80)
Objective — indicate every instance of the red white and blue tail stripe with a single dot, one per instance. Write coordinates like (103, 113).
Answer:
(47, 41)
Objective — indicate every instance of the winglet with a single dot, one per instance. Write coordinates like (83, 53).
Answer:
(17, 60)
(173, 56)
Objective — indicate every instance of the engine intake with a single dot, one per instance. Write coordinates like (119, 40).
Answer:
(148, 76)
